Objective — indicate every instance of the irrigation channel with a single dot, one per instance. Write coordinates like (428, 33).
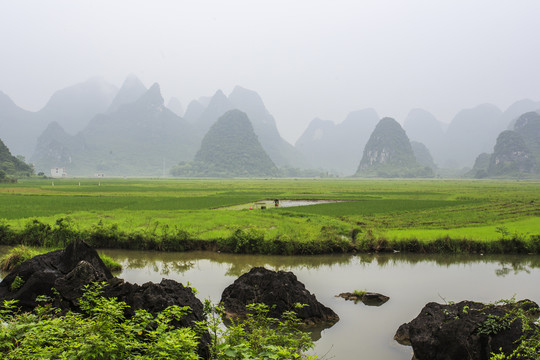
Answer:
(364, 332)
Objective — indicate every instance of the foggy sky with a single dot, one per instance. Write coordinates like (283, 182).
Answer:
(306, 58)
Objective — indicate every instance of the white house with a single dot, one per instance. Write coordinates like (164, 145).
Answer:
(58, 172)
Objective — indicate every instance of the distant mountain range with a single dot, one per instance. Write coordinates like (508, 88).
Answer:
(471, 132)
(94, 127)
(72, 108)
(142, 138)
(516, 152)
(202, 114)
(338, 147)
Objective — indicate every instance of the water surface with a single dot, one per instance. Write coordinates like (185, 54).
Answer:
(363, 332)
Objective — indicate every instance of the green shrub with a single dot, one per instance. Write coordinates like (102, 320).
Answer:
(258, 336)
(16, 284)
(102, 331)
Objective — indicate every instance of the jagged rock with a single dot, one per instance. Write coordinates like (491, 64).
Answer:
(279, 290)
(67, 271)
(64, 270)
(464, 331)
(368, 298)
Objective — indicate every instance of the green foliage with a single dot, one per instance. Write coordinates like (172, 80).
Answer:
(183, 215)
(16, 284)
(11, 166)
(359, 293)
(258, 336)
(493, 325)
(110, 263)
(102, 331)
(529, 344)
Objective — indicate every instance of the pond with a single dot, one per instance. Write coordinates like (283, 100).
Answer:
(267, 204)
(364, 332)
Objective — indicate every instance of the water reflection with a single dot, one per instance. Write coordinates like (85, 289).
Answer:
(165, 263)
(410, 280)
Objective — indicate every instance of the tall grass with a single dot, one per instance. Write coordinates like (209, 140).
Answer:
(19, 254)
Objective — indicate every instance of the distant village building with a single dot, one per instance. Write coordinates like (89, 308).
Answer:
(99, 175)
(58, 172)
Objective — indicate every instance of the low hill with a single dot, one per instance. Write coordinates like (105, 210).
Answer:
(388, 153)
(423, 155)
(229, 149)
(511, 156)
(10, 166)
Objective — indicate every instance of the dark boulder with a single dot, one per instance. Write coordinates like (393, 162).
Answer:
(156, 297)
(368, 298)
(281, 291)
(67, 271)
(466, 330)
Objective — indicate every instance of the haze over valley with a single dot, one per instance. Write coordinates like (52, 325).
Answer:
(313, 78)
(98, 128)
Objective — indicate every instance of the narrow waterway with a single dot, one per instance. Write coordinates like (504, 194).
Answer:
(363, 332)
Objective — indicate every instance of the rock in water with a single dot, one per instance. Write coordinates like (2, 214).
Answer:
(465, 331)
(368, 298)
(64, 270)
(281, 289)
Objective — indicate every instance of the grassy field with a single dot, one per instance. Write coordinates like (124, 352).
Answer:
(167, 214)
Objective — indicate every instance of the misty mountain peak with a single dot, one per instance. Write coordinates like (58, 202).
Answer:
(388, 153)
(218, 99)
(131, 90)
(194, 111)
(74, 106)
(152, 98)
(244, 96)
(175, 106)
(218, 103)
(511, 155)
(364, 115)
(527, 120)
(231, 148)
(5, 101)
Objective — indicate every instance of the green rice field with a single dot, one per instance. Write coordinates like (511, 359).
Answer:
(371, 215)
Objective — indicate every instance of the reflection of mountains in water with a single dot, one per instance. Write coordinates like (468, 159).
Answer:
(166, 262)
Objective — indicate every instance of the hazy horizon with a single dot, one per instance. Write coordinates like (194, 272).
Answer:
(305, 59)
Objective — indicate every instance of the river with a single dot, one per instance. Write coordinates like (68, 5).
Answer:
(364, 332)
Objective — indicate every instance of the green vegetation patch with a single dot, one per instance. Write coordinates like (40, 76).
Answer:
(369, 207)
(171, 214)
